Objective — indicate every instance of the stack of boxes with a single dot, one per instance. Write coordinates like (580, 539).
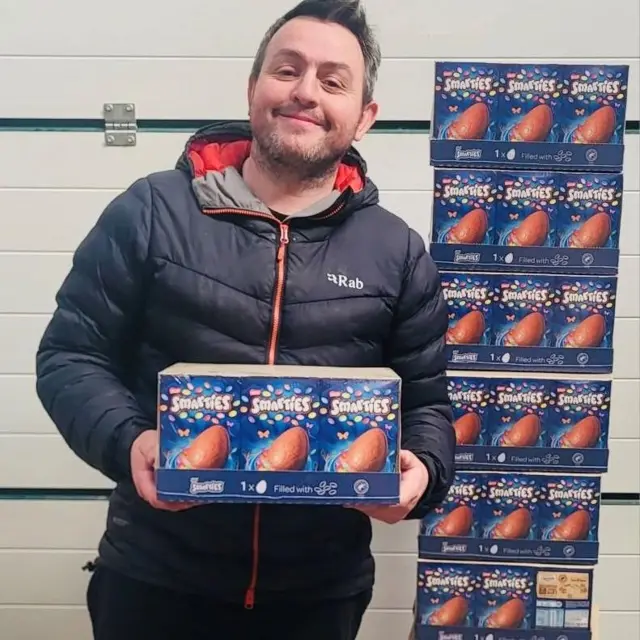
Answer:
(526, 224)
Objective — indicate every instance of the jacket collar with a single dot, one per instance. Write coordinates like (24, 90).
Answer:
(213, 158)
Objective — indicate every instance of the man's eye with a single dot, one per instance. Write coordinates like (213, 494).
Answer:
(333, 83)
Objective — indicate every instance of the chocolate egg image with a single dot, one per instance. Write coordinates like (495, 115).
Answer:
(468, 330)
(531, 232)
(509, 616)
(514, 526)
(593, 233)
(471, 124)
(458, 523)
(589, 333)
(467, 428)
(574, 527)
(209, 450)
(597, 128)
(368, 453)
(470, 229)
(534, 126)
(524, 433)
(526, 333)
(451, 614)
(288, 452)
(582, 435)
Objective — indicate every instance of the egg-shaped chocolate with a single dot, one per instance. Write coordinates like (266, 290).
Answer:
(458, 523)
(368, 453)
(471, 124)
(470, 229)
(467, 428)
(597, 128)
(589, 333)
(288, 452)
(515, 526)
(468, 330)
(534, 126)
(524, 433)
(583, 435)
(574, 527)
(531, 232)
(451, 614)
(593, 234)
(209, 450)
(509, 616)
(526, 333)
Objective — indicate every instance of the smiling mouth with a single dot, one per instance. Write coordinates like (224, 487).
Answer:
(301, 118)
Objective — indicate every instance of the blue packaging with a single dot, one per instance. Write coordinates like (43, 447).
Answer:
(506, 598)
(463, 207)
(523, 311)
(510, 507)
(459, 515)
(580, 416)
(462, 600)
(278, 434)
(584, 313)
(470, 301)
(446, 595)
(280, 411)
(594, 108)
(359, 426)
(471, 400)
(521, 412)
(195, 409)
(465, 101)
(530, 102)
(570, 509)
(590, 210)
(526, 210)
(515, 518)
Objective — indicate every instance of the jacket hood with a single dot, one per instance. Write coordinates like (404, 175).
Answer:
(213, 157)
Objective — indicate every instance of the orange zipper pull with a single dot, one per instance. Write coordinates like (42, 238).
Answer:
(284, 241)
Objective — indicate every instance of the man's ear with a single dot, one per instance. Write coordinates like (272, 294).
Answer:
(251, 86)
(368, 117)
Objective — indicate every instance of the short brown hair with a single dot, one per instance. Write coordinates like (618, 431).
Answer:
(350, 14)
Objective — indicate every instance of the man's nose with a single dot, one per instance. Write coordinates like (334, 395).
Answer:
(306, 89)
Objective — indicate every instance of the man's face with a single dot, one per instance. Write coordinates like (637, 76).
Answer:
(306, 107)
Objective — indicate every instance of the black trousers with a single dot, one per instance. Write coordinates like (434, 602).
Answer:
(124, 609)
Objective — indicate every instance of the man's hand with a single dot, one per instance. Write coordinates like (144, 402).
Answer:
(414, 480)
(144, 452)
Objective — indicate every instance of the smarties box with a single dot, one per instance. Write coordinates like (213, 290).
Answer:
(529, 116)
(510, 517)
(533, 323)
(532, 423)
(288, 434)
(470, 600)
(542, 222)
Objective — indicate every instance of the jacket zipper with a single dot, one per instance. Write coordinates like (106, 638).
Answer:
(272, 347)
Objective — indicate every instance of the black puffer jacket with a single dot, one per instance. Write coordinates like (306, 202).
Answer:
(187, 266)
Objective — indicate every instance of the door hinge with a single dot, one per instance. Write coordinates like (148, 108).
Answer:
(120, 127)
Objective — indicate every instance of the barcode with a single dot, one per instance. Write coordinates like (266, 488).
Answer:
(550, 618)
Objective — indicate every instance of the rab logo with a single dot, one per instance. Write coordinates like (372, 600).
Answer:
(343, 281)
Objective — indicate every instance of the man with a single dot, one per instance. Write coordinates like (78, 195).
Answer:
(232, 257)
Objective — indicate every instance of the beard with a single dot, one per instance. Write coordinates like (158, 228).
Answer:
(292, 161)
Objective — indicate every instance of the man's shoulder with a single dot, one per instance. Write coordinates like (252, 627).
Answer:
(396, 231)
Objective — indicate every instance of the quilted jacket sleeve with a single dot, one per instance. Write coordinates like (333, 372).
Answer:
(416, 353)
(80, 360)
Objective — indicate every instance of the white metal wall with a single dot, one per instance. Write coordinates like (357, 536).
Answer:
(62, 60)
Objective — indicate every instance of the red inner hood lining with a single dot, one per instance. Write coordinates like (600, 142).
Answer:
(217, 156)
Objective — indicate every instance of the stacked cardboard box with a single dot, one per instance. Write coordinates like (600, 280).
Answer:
(526, 222)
